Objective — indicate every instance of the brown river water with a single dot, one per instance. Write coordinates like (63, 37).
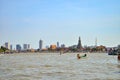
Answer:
(53, 66)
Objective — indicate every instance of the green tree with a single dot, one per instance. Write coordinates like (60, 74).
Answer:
(3, 49)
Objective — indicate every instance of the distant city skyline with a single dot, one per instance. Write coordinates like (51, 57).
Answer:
(27, 46)
(63, 21)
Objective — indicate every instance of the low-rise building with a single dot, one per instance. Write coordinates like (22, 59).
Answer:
(53, 47)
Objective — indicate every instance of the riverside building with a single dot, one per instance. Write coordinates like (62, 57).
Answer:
(18, 47)
(40, 45)
(7, 45)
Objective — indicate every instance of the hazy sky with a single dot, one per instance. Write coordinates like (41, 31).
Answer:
(28, 21)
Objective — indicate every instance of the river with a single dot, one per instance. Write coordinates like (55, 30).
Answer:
(53, 66)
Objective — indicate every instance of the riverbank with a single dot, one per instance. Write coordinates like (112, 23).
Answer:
(48, 52)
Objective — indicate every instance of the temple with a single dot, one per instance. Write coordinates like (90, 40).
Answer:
(79, 46)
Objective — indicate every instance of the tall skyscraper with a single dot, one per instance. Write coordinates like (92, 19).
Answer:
(18, 47)
(7, 45)
(10, 47)
(58, 45)
(40, 45)
(28, 46)
(79, 46)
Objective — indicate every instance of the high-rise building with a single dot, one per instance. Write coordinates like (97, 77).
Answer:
(18, 47)
(10, 47)
(7, 45)
(62, 45)
(28, 46)
(57, 44)
(25, 46)
(40, 45)
(79, 46)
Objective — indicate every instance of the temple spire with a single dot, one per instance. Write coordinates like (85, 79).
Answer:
(79, 46)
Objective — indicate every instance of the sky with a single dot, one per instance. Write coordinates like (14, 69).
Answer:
(63, 21)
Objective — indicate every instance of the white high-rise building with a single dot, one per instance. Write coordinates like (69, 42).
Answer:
(7, 45)
(40, 45)
(25, 46)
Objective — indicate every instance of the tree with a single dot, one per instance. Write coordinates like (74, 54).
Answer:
(3, 49)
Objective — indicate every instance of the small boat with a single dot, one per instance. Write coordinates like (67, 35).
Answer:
(113, 52)
(78, 56)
